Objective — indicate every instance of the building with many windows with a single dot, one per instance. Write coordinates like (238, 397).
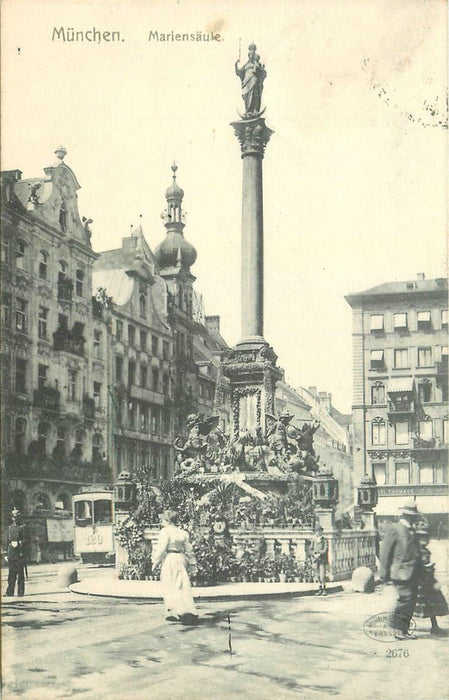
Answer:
(54, 369)
(400, 411)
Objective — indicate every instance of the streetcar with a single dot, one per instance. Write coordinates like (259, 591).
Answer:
(93, 527)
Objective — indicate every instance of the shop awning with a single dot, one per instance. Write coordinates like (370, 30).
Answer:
(400, 385)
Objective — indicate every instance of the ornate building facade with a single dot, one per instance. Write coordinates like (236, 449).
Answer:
(400, 412)
(54, 369)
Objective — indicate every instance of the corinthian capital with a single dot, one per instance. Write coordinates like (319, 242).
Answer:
(253, 135)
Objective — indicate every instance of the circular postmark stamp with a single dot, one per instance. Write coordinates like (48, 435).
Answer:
(384, 626)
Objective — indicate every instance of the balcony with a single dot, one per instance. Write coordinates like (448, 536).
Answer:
(88, 407)
(58, 469)
(65, 289)
(67, 341)
(47, 398)
(401, 407)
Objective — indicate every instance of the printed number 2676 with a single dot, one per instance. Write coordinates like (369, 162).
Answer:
(397, 653)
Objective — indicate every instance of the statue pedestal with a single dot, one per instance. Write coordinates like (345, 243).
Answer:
(252, 371)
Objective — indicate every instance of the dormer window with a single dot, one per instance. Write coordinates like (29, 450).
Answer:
(63, 218)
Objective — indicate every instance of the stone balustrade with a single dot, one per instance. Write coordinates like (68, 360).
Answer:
(348, 549)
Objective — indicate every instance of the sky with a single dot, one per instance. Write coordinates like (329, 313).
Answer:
(355, 175)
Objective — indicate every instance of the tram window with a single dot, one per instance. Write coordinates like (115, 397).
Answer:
(83, 513)
(103, 512)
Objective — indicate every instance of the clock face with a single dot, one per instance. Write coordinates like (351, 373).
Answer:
(219, 526)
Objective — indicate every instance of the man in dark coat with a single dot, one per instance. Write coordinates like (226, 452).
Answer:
(16, 555)
(400, 562)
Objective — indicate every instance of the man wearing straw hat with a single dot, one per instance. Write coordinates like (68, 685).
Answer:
(400, 562)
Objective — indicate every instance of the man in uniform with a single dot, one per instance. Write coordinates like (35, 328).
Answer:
(320, 548)
(16, 555)
(400, 562)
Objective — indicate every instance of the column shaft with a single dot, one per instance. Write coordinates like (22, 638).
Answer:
(252, 247)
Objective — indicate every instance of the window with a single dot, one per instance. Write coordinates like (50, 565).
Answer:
(444, 353)
(118, 369)
(6, 250)
(426, 429)
(400, 321)
(21, 367)
(165, 349)
(60, 447)
(377, 322)
(71, 386)
(96, 447)
(401, 433)
(402, 472)
(200, 390)
(43, 430)
(166, 420)
(6, 310)
(377, 394)
(155, 419)
(132, 414)
(444, 318)
(43, 264)
(97, 394)
(424, 357)
(131, 373)
(131, 335)
(426, 474)
(79, 283)
(143, 340)
(118, 330)
(445, 431)
(424, 322)
(21, 315)
(97, 344)
(377, 359)
(42, 322)
(143, 376)
(166, 385)
(380, 473)
(155, 377)
(425, 391)
(83, 513)
(144, 417)
(19, 436)
(154, 344)
(103, 512)
(142, 306)
(79, 440)
(20, 254)
(42, 376)
(401, 358)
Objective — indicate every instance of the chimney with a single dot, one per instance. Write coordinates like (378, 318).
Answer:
(312, 390)
(213, 324)
(420, 276)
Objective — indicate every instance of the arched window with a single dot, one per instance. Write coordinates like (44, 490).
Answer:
(20, 435)
(18, 500)
(43, 430)
(79, 283)
(21, 247)
(63, 502)
(142, 306)
(43, 264)
(97, 445)
(42, 501)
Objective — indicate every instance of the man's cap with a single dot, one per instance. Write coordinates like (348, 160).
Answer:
(409, 508)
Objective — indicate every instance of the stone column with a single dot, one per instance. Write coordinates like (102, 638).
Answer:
(253, 136)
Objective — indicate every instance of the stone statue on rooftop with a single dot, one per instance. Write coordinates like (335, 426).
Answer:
(252, 75)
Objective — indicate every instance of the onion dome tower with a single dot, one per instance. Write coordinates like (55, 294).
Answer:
(174, 251)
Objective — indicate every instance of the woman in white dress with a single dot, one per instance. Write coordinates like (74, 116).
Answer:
(174, 551)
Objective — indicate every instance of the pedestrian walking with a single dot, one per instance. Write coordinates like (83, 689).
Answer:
(400, 562)
(16, 555)
(174, 551)
(320, 558)
(431, 601)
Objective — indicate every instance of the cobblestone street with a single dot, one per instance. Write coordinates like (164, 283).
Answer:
(58, 645)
